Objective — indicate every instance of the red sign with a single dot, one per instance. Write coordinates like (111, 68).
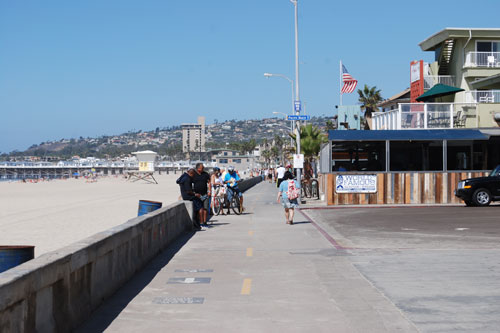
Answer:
(416, 80)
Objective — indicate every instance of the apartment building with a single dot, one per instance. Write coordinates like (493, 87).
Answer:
(194, 136)
(468, 58)
(467, 67)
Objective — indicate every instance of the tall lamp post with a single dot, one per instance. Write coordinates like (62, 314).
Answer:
(297, 91)
(268, 75)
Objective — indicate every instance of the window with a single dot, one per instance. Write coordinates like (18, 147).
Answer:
(237, 160)
(225, 153)
(488, 46)
(358, 156)
(416, 155)
(223, 161)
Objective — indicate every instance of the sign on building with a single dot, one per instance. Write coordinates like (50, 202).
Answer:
(356, 184)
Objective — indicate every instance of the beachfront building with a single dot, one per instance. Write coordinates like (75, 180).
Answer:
(462, 84)
(194, 136)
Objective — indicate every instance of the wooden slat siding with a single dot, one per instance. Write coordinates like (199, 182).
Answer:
(421, 188)
(439, 188)
(388, 189)
(444, 186)
(330, 188)
(372, 198)
(363, 199)
(397, 188)
(380, 188)
(415, 188)
(407, 188)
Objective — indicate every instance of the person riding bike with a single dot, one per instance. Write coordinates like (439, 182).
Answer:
(232, 179)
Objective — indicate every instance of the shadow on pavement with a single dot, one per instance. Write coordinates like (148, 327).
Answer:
(104, 315)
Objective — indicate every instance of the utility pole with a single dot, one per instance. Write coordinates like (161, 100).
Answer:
(297, 90)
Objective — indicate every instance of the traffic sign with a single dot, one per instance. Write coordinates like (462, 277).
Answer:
(302, 117)
(298, 106)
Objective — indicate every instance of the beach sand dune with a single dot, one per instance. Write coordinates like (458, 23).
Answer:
(53, 214)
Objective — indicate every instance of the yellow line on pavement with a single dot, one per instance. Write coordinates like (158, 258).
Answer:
(250, 233)
(247, 287)
(249, 252)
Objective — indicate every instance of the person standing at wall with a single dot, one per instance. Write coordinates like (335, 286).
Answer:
(202, 186)
(185, 182)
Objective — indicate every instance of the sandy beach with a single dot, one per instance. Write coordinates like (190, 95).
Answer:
(53, 214)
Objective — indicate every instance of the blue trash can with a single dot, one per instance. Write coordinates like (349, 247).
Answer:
(146, 206)
(11, 256)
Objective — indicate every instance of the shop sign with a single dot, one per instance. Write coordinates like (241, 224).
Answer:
(356, 184)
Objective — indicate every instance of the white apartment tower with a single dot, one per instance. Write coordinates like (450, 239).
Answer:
(193, 136)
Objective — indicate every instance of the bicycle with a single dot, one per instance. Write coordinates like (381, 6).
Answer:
(305, 189)
(218, 199)
(235, 203)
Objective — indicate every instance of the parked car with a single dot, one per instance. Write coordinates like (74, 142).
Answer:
(480, 191)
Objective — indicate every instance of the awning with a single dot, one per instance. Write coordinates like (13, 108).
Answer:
(438, 90)
(408, 135)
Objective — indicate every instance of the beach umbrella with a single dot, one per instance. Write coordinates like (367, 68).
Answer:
(438, 90)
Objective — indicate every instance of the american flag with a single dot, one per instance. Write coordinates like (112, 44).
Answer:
(349, 82)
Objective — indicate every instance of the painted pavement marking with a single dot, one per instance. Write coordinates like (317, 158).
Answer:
(249, 252)
(178, 300)
(250, 233)
(189, 280)
(247, 287)
(194, 270)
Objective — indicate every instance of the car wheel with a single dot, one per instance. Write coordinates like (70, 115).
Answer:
(481, 197)
(469, 203)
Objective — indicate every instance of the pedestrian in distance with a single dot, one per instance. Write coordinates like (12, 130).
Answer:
(289, 194)
(185, 182)
(280, 174)
(202, 186)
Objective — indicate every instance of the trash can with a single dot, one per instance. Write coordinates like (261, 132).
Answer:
(11, 256)
(146, 206)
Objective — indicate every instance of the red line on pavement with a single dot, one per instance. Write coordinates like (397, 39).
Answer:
(324, 233)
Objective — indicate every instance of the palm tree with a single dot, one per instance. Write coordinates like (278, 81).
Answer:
(311, 139)
(369, 98)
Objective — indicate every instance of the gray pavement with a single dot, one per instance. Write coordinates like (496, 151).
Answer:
(439, 265)
(253, 273)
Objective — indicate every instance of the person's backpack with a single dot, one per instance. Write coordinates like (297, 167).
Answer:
(292, 191)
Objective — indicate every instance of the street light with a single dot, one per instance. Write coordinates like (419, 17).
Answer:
(268, 75)
(297, 91)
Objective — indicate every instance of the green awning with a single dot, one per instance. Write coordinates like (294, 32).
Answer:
(438, 90)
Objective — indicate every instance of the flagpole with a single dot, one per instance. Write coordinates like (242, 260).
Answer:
(340, 86)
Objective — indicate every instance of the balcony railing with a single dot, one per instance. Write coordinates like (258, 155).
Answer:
(427, 116)
(482, 59)
(431, 80)
(483, 96)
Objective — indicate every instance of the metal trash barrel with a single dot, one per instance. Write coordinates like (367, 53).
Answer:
(146, 206)
(11, 256)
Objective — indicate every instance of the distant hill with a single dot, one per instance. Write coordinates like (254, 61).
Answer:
(166, 141)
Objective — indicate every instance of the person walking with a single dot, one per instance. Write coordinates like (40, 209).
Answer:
(280, 174)
(289, 194)
(201, 186)
(185, 182)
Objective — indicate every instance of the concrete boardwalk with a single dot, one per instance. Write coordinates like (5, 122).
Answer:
(251, 273)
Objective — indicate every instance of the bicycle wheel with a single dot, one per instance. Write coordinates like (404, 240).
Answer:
(235, 204)
(217, 206)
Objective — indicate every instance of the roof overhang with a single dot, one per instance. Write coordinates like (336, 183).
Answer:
(490, 82)
(408, 135)
(434, 41)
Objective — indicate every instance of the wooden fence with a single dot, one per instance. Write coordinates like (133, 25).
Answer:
(402, 188)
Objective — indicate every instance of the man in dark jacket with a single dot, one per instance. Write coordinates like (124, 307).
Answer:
(186, 187)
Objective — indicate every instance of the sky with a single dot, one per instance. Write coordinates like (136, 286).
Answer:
(91, 68)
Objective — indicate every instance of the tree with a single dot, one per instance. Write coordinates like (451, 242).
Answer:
(311, 139)
(369, 98)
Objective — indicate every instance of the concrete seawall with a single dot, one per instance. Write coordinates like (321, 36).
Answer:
(59, 290)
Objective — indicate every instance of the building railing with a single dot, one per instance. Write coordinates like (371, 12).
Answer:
(431, 80)
(482, 59)
(427, 116)
(483, 96)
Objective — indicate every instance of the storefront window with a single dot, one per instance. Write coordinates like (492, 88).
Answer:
(416, 155)
(358, 156)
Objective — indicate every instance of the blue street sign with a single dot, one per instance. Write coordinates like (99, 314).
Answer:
(298, 106)
(303, 117)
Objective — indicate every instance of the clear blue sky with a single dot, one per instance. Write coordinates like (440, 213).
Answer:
(90, 68)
